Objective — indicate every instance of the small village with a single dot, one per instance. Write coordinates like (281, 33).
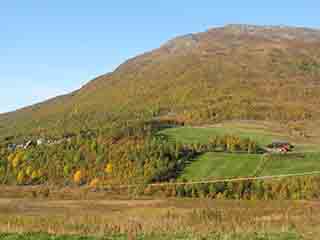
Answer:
(42, 141)
(38, 142)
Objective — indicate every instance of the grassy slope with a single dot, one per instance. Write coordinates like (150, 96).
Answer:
(219, 165)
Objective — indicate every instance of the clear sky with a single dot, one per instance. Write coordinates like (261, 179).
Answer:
(50, 47)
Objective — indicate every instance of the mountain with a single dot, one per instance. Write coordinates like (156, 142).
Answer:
(231, 72)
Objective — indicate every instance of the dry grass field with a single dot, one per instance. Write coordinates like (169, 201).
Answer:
(98, 215)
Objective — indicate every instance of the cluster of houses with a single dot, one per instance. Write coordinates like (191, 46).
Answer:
(42, 141)
(33, 143)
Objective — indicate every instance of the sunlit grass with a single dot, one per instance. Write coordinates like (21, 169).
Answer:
(222, 165)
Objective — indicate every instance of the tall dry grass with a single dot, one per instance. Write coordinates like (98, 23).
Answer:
(171, 217)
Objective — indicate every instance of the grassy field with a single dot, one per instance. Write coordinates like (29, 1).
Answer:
(262, 132)
(158, 219)
(203, 135)
(29, 236)
(256, 236)
(221, 165)
(224, 165)
(292, 163)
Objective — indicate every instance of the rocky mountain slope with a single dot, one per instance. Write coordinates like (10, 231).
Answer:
(231, 72)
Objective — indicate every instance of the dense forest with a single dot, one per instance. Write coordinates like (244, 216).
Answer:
(135, 154)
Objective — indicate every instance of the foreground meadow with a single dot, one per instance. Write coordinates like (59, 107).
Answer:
(99, 216)
(282, 236)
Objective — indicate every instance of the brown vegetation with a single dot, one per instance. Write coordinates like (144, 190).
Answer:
(196, 217)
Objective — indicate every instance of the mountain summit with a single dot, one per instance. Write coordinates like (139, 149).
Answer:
(276, 32)
(231, 72)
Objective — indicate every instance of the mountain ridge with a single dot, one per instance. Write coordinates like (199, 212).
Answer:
(195, 76)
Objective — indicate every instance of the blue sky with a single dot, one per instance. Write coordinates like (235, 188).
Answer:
(48, 48)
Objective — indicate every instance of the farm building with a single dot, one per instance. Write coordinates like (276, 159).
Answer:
(280, 146)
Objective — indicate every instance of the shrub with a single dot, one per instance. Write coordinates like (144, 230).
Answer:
(78, 177)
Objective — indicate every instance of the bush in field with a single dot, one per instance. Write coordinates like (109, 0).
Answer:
(78, 177)
(108, 169)
(180, 191)
(94, 183)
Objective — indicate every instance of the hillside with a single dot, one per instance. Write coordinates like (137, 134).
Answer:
(232, 72)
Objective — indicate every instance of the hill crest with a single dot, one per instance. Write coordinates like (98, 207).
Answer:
(232, 72)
